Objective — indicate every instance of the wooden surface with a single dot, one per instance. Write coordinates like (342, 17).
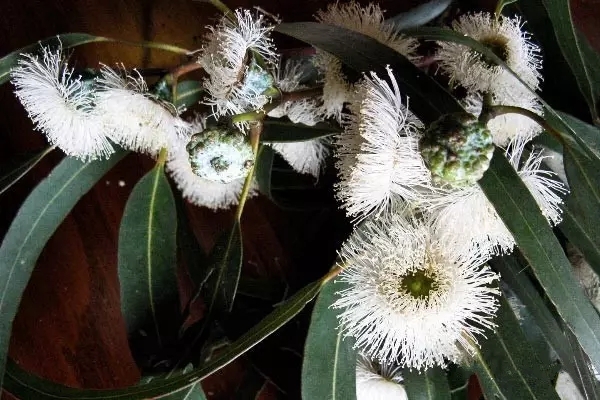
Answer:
(69, 328)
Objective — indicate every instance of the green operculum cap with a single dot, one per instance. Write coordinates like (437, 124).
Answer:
(498, 45)
(220, 154)
(418, 284)
(258, 80)
(457, 149)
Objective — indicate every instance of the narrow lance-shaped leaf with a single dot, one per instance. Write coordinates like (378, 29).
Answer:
(419, 15)
(577, 51)
(329, 363)
(69, 40)
(428, 99)
(224, 266)
(582, 209)
(147, 255)
(428, 385)
(282, 131)
(37, 219)
(28, 386)
(189, 93)
(512, 272)
(506, 364)
(534, 237)
(16, 171)
(264, 166)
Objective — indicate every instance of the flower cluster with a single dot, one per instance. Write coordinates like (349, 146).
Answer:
(420, 291)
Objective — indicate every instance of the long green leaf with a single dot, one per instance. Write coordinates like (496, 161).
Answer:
(429, 385)
(69, 40)
(37, 219)
(501, 4)
(15, 172)
(277, 130)
(225, 266)
(419, 15)
(27, 386)
(264, 167)
(506, 364)
(582, 209)
(189, 93)
(193, 392)
(329, 363)
(147, 255)
(428, 99)
(512, 272)
(534, 237)
(577, 51)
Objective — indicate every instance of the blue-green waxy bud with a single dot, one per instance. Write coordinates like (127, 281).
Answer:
(258, 80)
(220, 154)
(457, 149)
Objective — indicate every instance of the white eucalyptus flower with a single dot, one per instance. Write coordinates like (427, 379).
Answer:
(60, 104)
(542, 183)
(505, 37)
(409, 301)
(378, 153)
(378, 382)
(198, 190)
(307, 156)
(235, 83)
(305, 111)
(135, 118)
(369, 21)
(509, 127)
(465, 220)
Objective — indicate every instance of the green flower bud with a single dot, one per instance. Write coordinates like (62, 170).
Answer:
(457, 149)
(258, 80)
(220, 154)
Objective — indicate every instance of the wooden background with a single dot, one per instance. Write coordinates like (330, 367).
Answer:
(69, 328)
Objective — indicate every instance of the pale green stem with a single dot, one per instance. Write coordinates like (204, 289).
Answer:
(491, 111)
(255, 132)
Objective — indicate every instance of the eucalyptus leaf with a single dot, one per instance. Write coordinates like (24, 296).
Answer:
(426, 385)
(578, 53)
(193, 392)
(12, 173)
(264, 166)
(329, 363)
(189, 93)
(147, 256)
(581, 222)
(514, 274)
(67, 41)
(534, 237)
(28, 386)
(38, 218)
(506, 365)
(282, 131)
(428, 99)
(225, 263)
(501, 4)
(419, 15)
(458, 380)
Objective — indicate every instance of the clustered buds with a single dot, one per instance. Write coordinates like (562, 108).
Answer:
(457, 148)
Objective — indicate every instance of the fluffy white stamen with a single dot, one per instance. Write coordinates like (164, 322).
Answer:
(542, 183)
(307, 156)
(225, 58)
(136, 119)
(368, 20)
(390, 323)
(467, 68)
(378, 382)
(60, 104)
(378, 154)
